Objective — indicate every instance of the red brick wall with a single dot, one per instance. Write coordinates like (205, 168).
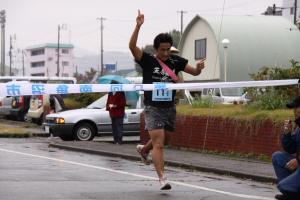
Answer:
(223, 135)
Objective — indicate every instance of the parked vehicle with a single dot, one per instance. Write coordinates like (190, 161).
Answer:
(6, 109)
(86, 123)
(14, 107)
(218, 95)
(40, 104)
(19, 107)
(5, 106)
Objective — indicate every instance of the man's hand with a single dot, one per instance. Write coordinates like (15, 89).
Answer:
(292, 164)
(287, 126)
(195, 71)
(200, 64)
(139, 19)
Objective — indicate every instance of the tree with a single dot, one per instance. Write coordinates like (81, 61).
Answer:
(87, 77)
(175, 34)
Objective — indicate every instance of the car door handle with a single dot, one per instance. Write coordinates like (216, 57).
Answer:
(133, 113)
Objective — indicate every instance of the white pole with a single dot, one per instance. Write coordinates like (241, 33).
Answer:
(225, 65)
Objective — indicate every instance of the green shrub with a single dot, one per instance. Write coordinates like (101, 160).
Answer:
(270, 100)
(72, 104)
(83, 100)
(203, 103)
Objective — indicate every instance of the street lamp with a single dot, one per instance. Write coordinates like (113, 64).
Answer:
(225, 43)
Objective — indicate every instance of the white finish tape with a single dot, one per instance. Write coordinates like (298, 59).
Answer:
(22, 89)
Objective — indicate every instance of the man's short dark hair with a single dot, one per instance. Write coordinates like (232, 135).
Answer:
(162, 38)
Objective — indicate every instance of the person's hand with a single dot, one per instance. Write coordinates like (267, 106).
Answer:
(287, 126)
(139, 19)
(292, 164)
(200, 64)
(111, 106)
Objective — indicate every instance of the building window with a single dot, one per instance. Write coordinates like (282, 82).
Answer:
(65, 51)
(37, 52)
(65, 63)
(38, 74)
(200, 49)
(292, 10)
(38, 64)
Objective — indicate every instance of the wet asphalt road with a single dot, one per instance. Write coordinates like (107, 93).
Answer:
(29, 170)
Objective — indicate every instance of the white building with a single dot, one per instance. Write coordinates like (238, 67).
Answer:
(42, 60)
(289, 10)
(255, 42)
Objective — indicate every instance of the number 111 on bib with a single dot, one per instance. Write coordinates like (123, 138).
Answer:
(162, 95)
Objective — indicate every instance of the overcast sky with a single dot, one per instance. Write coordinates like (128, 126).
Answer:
(36, 21)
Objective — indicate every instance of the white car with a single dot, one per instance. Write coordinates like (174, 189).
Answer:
(218, 95)
(86, 123)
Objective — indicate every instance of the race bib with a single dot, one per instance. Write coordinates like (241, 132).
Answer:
(161, 93)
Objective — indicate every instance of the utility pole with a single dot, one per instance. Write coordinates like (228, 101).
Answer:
(295, 12)
(274, 9)
(2, 21)
(181, 19)
(23, 63)
(58, 40)
(10, 54)
(101, 44)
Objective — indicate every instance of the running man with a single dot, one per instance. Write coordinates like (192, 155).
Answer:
(160, 110)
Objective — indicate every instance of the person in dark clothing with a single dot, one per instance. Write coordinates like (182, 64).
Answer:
(160, 110)
(116, 106)
(57, 103)
(286, 163)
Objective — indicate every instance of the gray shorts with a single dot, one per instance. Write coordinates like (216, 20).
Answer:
(160, 118)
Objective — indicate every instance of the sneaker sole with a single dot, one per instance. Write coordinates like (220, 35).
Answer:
(166, 187)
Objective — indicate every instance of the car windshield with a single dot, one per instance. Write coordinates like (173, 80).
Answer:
(232, 92)
(98, 104)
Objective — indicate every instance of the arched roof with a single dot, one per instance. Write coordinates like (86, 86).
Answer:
(255, 41)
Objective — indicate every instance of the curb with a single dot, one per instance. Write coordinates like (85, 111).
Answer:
(41, 134)
(237, 174)
(23, 135)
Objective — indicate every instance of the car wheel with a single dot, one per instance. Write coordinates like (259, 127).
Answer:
(66, 137)
(84, 132)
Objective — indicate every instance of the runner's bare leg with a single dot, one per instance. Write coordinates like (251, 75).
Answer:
(158, 139)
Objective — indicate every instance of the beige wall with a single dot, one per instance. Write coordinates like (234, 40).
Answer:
(201, 30)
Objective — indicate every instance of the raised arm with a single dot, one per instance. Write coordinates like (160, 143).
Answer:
(195, 70)
(136, 51)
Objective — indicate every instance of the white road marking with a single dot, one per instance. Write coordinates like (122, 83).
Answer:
(139, 176)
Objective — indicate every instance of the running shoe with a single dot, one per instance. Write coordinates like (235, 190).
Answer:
(145, 157)
(164, 184)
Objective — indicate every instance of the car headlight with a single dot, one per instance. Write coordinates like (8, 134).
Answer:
(59, 120)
